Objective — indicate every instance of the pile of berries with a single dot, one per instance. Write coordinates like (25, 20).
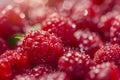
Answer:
(60, 40)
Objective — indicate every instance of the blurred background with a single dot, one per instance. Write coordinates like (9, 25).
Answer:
(4, 1)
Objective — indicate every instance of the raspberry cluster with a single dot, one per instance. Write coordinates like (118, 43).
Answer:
(60, 40)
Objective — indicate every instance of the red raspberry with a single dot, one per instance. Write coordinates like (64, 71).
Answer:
(108, 53)
(34, 73)
(105, 71)
(75, 64)
(17, 60)
(41, 46)
(85, 16)
(5, 70)
(3, 46)
(39, 71)
(89, 42)
(12, 21)
(55, 76)
(105, 24)
(62, 27)
(115, 31)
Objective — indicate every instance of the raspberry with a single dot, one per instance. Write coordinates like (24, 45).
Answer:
(34, 73)
(105, 71)
(108, 53)
(55, 76)
(105, 24)
(39, 71)
(12, 21)
(81, 15)
(3, 46)
(62, 27)
(89, 42)
(75, 64)
(114, 31)
(17, 60)
(5, 70)
(41, 46)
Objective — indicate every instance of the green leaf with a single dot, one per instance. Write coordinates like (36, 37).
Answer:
(36, 27)
(14, 39)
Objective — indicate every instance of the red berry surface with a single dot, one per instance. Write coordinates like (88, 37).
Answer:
(90, 42)
(17, 60)
(5, 69)
(3, 46)
(55, 76)
(41, 46)
(12, 21)
(75, 64)
(105, 24)
(97, 2)
(81, 15)
(34, 73)
(105, 71)
(39, 70)
(62, 27)
(108, 53)
(59, 40)
(115, 31)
